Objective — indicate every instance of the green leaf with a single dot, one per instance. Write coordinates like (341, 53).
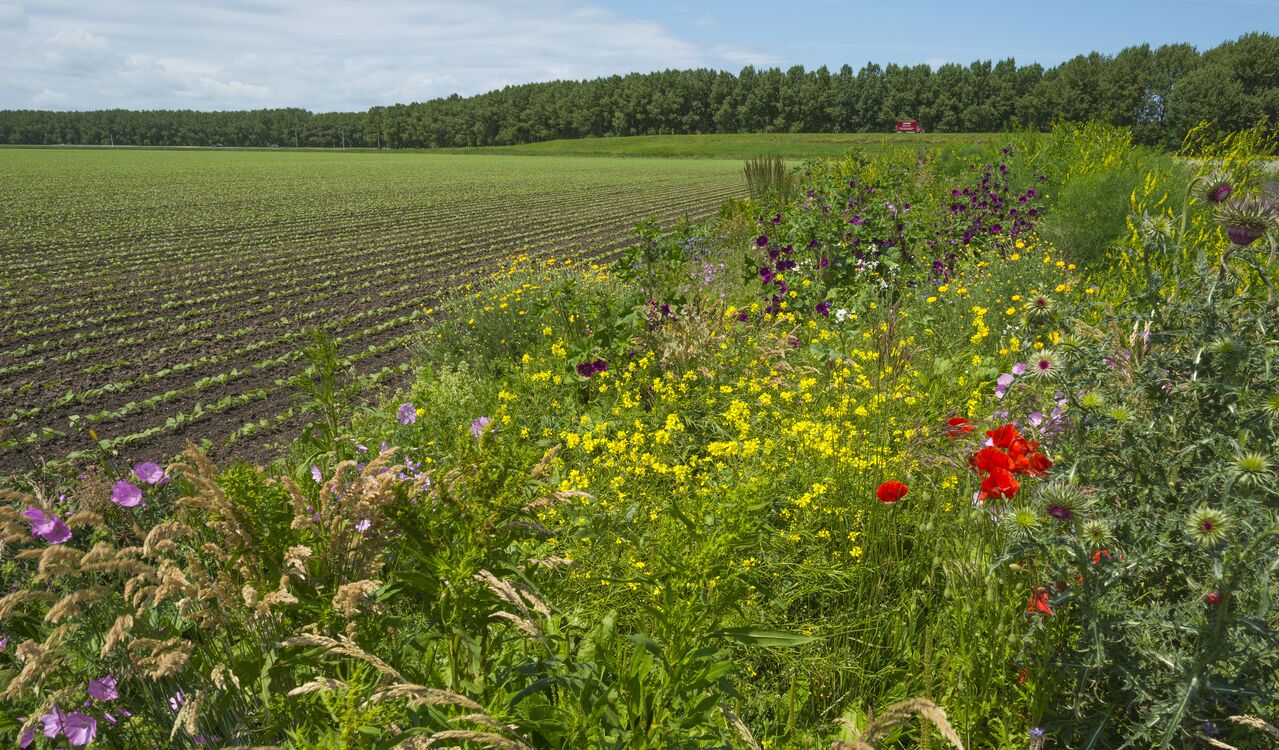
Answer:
(764, 638)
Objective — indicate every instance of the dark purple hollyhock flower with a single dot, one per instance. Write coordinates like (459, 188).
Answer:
(822, 308)
(599, 365)
(586, 369)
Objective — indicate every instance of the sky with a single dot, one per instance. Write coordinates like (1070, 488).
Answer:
(349, 55)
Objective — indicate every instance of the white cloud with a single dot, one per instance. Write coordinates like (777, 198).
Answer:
(321, 54)
(49, 99)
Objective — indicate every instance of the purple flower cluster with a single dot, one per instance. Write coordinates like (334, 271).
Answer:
(78, 727)
(780, 260)
(407, 414)
(589, 369)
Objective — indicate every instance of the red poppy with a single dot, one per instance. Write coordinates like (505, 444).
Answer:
(1039, 602)
(999, 484)
(1215, 597)
(956, 426)
(989, 459)
(891, 492)
(1099, 554)
(1027, 459)
(1003, 436)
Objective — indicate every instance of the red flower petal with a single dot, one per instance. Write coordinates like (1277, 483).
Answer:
(1004, 436)
(990, 458)
(891, 492)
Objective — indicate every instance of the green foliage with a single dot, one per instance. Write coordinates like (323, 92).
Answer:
(1161, 574)
(327, 388)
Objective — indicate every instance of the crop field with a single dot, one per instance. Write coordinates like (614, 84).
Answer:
(156, 296)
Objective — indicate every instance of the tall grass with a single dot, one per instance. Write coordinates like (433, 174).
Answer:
(768, 176)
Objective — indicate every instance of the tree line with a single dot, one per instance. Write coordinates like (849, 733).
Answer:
(1157, 92)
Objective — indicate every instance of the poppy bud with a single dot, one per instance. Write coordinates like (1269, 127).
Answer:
(1215, 597)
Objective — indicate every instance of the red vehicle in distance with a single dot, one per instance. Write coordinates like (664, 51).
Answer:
(909, 126)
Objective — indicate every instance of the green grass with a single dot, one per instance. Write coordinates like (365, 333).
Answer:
(736, 146)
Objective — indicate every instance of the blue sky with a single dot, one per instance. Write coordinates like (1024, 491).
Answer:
(328, 55)
(831, 33)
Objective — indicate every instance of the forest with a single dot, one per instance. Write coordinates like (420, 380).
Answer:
(1158, 93)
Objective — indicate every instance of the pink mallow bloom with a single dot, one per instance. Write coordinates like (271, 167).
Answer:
(46, 526)
(104, 689)
(126, 494)
(52, 722)
(79, 728)
(150, 473)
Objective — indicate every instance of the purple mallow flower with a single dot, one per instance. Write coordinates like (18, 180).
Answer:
(126, 494)
(316, 474)
(79, 728)
(52, 722)
(407, 414)
(104, 688)
(363, 526)
(150, 472)
(1019, 368)
(47, 527)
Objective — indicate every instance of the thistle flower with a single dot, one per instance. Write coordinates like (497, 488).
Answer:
(1119, 413)
(1022, 520)
(1271, 406)
(1041, 309)
(1044, 365)
(1247, 219)
(1156, 227)
(1250, 468)
(1062, 502)
(407, 414)
(1215, 187)
(1207, 526)
(1095, 533)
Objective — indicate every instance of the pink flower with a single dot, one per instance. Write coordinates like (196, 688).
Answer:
(363, 526)
(316, 474)
(52, 723)
(150, 472)
(46, 526)
(79, 728)
(126, 494)
(28, 736)
(178, 700)
(104, 688)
